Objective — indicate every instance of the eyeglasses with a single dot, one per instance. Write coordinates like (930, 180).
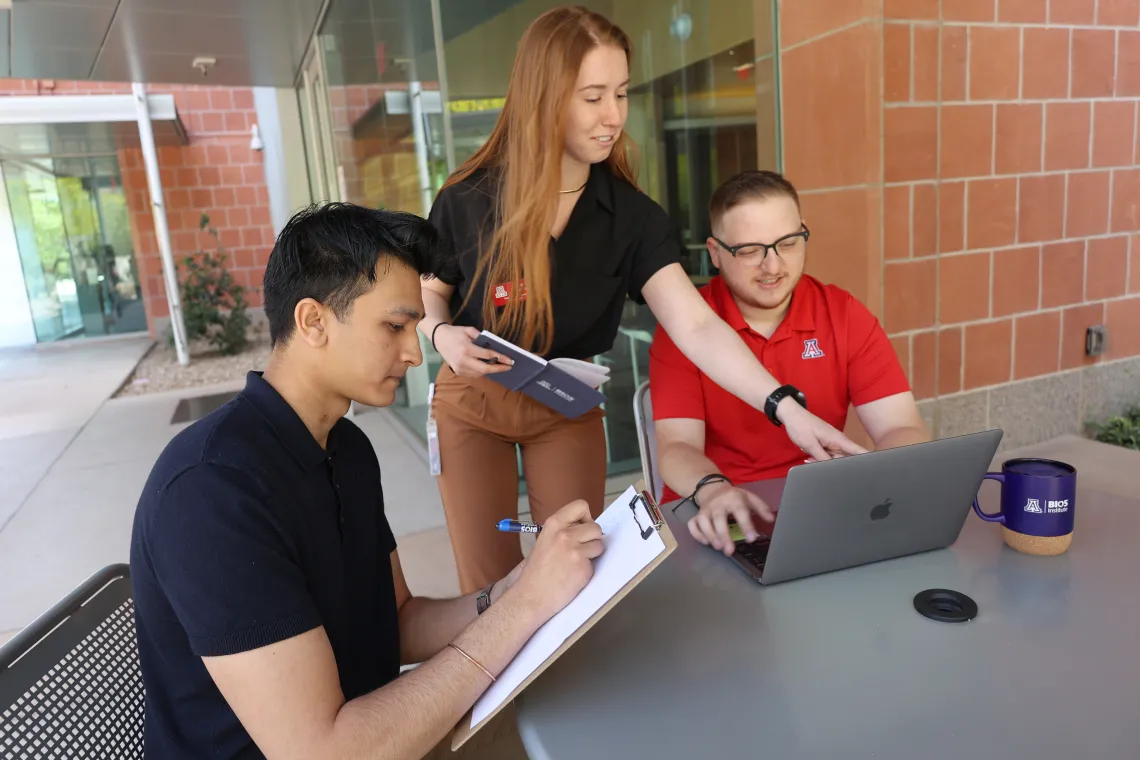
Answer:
(755, 253)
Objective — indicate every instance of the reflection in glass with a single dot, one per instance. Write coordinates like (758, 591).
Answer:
(74, 240)
(383, 93)
(702, 108)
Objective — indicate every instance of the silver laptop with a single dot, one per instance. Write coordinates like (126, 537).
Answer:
(867, 508)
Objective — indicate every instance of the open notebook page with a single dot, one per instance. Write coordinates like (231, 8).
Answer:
(626, 554)
(589, 373)
(512, 346)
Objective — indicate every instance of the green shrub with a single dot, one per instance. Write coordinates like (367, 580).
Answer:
(213, 303)
(1122, 430)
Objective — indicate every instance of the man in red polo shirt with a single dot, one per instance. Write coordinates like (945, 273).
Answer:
(824, 345)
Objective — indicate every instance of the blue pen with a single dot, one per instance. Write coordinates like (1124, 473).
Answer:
(517, 526)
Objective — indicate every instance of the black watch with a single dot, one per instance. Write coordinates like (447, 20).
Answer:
(778, 395)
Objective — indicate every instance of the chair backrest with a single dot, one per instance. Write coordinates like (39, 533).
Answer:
(647, 439)
(70, 683)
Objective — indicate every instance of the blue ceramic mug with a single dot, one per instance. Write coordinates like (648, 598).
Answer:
(1038, 501)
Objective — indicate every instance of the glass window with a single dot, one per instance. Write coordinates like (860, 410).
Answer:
(702, 108)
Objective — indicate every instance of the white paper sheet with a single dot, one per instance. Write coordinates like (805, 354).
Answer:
(626, 554)
(593, 375)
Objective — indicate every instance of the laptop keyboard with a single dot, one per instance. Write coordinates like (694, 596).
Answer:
(756, 552)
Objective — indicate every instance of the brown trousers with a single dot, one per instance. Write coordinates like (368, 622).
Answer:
(479, 423)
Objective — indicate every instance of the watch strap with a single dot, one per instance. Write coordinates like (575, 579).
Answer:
(778, 395)
(483, 601)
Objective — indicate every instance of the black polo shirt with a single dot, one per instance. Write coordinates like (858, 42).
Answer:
(249, 533)
(617, 238)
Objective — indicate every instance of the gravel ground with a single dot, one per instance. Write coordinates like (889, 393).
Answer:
(159, 370)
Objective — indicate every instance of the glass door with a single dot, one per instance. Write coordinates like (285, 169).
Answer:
(85, 244)
(45, 253)
(74, 241)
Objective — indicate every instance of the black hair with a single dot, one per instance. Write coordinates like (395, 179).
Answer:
(330, 253)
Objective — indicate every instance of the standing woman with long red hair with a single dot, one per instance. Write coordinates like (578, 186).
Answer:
(551, 234)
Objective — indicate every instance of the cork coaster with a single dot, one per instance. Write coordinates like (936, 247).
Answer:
(1045, 546)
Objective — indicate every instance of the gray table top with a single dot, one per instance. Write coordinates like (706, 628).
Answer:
(699, 661)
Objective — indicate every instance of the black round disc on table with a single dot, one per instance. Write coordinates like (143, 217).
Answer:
(945, 606)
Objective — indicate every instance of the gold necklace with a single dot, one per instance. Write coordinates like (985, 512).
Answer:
(583, 187)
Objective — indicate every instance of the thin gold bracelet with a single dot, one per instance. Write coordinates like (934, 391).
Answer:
(473, 661)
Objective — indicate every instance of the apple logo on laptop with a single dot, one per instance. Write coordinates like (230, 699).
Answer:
(882, 511)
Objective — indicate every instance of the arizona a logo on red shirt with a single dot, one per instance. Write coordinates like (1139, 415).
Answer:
(812, 349)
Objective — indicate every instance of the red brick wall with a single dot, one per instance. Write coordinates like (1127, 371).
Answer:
(971, 169)
(216, 173)
(832, 125)
(1012, 193)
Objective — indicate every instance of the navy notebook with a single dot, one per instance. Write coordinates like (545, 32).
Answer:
(568, 386)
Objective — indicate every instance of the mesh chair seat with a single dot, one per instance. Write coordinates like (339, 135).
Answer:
(70, 683)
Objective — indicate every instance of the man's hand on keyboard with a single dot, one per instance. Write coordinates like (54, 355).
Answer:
(718, 503)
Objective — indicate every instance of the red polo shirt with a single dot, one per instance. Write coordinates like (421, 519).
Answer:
(829, 346)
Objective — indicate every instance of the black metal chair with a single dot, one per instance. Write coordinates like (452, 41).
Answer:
(70, 683)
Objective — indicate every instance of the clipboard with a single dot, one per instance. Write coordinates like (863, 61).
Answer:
(464, 730)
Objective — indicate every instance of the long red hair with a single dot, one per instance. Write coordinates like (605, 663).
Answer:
(525, 150)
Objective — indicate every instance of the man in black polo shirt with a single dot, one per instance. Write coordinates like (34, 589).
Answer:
(271, 609)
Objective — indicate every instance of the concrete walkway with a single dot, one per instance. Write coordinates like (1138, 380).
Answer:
(47, 395)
